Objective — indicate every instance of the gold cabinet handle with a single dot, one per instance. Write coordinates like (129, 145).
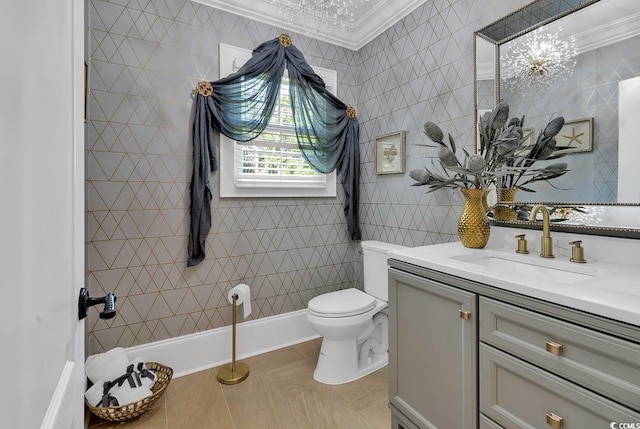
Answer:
(464, 314)
(553, 347)
(554, 420)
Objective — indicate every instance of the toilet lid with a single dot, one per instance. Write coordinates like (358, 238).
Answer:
(341, 303)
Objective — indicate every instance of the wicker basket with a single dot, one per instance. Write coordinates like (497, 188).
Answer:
(135, 409)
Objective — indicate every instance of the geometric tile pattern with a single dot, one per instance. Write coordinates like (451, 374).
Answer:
(146, 58)
(420, 69)
(486, 94)
(592, 91)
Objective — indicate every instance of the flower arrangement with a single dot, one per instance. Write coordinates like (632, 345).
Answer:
(502, 154)
(519, 164)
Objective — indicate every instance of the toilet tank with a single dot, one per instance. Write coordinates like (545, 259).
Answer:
(374, 261)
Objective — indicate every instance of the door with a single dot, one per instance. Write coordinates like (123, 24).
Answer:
(432, 352)
(42, 213)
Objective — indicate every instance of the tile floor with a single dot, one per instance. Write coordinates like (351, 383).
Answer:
(280, 393)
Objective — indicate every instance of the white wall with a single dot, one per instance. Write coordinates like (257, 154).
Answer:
(38, 98)
(628, 147)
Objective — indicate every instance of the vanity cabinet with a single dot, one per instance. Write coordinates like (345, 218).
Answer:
(510, 361)
(516, 394)
(433, 359)
(592, 359)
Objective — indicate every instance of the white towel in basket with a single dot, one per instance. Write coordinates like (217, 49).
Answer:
(94, 393)
(106, 366)
(126, 394)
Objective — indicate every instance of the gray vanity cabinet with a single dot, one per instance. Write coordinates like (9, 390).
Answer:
(537, 370)
(592, 359)
(519, 395)
(465, 355)
(433, 359)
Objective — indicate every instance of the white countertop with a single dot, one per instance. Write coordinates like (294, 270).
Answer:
(607, 289)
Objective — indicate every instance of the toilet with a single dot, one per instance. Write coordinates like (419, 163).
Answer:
(353, 324)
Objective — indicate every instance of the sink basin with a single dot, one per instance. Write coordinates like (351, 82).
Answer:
(517, 266)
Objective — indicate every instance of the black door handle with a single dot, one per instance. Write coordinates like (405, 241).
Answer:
(84, 302)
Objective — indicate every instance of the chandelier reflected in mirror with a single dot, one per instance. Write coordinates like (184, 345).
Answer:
(537, 61)
(318, 15)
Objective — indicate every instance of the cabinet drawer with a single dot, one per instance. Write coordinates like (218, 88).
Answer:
(600, 362)
(487, 423)
(516, 394)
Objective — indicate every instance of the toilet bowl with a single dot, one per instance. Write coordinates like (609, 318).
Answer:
(353, 324)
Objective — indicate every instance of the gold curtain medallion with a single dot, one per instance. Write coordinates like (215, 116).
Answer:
(351, 112)
(285, 40)
(204, 88)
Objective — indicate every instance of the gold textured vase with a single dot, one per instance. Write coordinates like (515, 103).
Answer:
(473, 225)
(505, 212)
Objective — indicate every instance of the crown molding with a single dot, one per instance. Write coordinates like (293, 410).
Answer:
(377, 18)
(608, 33)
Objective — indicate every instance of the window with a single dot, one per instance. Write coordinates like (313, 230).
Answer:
(270, 165)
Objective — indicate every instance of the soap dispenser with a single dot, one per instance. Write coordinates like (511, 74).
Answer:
(577, 252)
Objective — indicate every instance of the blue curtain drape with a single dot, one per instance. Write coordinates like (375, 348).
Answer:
(240, 106)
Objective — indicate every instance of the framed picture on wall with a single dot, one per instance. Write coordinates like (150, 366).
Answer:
(577, 135)
(390, 157)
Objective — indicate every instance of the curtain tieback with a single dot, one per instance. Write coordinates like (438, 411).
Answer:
(204, 88)
(351, 112)
(285, 40)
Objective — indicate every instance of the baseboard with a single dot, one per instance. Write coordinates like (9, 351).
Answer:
(56, 415)
(196, 352)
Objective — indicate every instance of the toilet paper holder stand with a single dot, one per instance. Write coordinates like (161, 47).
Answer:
(233, 372)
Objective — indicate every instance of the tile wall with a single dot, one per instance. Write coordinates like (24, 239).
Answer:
(146, 57)
(419, 70)
(486, 94)
(591, 92)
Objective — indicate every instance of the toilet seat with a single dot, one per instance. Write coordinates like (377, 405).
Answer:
(341, 303)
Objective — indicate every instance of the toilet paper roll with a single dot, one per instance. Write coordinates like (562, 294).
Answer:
(244, 297)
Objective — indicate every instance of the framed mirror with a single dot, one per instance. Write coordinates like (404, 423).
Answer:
(589, 73)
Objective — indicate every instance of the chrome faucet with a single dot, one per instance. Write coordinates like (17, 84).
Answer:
(546, 247)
